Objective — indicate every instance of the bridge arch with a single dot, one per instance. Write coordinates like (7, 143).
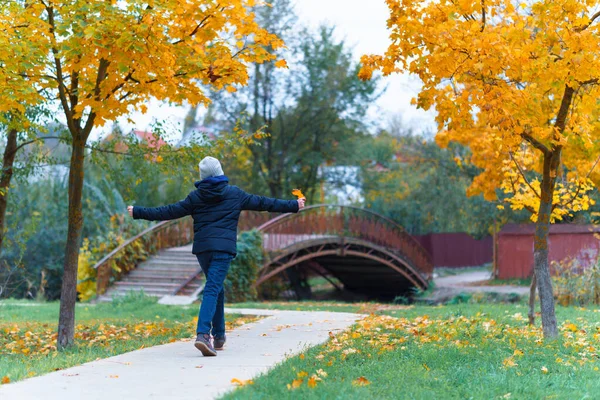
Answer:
(364, 250)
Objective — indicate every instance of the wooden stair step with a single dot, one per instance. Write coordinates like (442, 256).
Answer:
(147, 284)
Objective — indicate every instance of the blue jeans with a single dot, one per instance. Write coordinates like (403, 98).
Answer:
(211, 319)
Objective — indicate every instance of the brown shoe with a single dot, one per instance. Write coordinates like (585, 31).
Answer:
(220, 342)
(203, 344)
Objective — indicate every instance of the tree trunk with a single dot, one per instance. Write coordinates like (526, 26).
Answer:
(7, 172)
(68, 294)
(540, 252)
(531, 314)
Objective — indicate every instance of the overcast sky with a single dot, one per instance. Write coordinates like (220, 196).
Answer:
(363, 25)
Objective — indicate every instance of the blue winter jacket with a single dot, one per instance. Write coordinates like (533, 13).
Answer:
(215, 207)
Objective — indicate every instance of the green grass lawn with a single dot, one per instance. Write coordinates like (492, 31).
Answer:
(464, 351)
(28, 332)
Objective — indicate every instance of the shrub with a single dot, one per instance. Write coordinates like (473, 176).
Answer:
(239, 285)
(92, 251)
(575, 283)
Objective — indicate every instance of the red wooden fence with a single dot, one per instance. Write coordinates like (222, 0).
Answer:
(457, 249)
(515, 247)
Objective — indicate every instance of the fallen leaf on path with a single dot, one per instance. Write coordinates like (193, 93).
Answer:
(199, 366)
(242, 382)
(70, 374)
(361, 381)
(114, 376)
(267, 355)
(264, 334)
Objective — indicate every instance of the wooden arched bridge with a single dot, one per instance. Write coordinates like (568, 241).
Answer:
(367, 253)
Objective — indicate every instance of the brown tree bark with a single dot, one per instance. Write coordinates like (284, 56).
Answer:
(68, 294)
(540, 246)
(532, 288)
(8, 161)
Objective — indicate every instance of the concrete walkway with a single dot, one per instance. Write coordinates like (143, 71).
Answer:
(179, 371)
(464, 283)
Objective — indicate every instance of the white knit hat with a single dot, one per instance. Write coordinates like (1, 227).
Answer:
(210, 166)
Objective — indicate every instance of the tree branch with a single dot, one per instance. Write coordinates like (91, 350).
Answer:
(592, 19)
(523, 174)
(535, 143)
(62, 90)
(197, 28)
(528, 208)
(482, 15)
(39, 139)
(563, 111)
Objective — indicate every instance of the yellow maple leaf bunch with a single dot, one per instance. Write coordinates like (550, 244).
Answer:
(504, 77)
(568, 197)
(112, 56)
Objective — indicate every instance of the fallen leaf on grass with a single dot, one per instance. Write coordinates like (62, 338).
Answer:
(544, 370)
(509, 362)
(302, 356)
(426, 367)
(312, 382)
(296, 383)
(571, 327)
(242, 382)
(361, 381)
(5, 380)
(302, 374)
(322, 373)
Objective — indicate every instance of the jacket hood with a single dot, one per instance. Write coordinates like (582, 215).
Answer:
(212, 190)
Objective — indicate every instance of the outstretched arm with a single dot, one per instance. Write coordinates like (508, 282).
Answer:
(163, 213)
(261, 203)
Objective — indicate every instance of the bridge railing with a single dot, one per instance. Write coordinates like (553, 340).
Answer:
(344, 221)
(153, 239)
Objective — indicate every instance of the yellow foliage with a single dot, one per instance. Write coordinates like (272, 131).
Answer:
(517, 84)
(86, 274)
(361, 381)
(298, 193)
(125, 52)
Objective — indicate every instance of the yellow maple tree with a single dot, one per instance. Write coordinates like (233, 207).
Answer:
(103, 59)
(516, 82)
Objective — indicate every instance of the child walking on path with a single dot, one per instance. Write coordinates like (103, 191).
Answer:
(215, 206)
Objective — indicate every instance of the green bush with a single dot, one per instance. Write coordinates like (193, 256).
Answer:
(239, 285)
